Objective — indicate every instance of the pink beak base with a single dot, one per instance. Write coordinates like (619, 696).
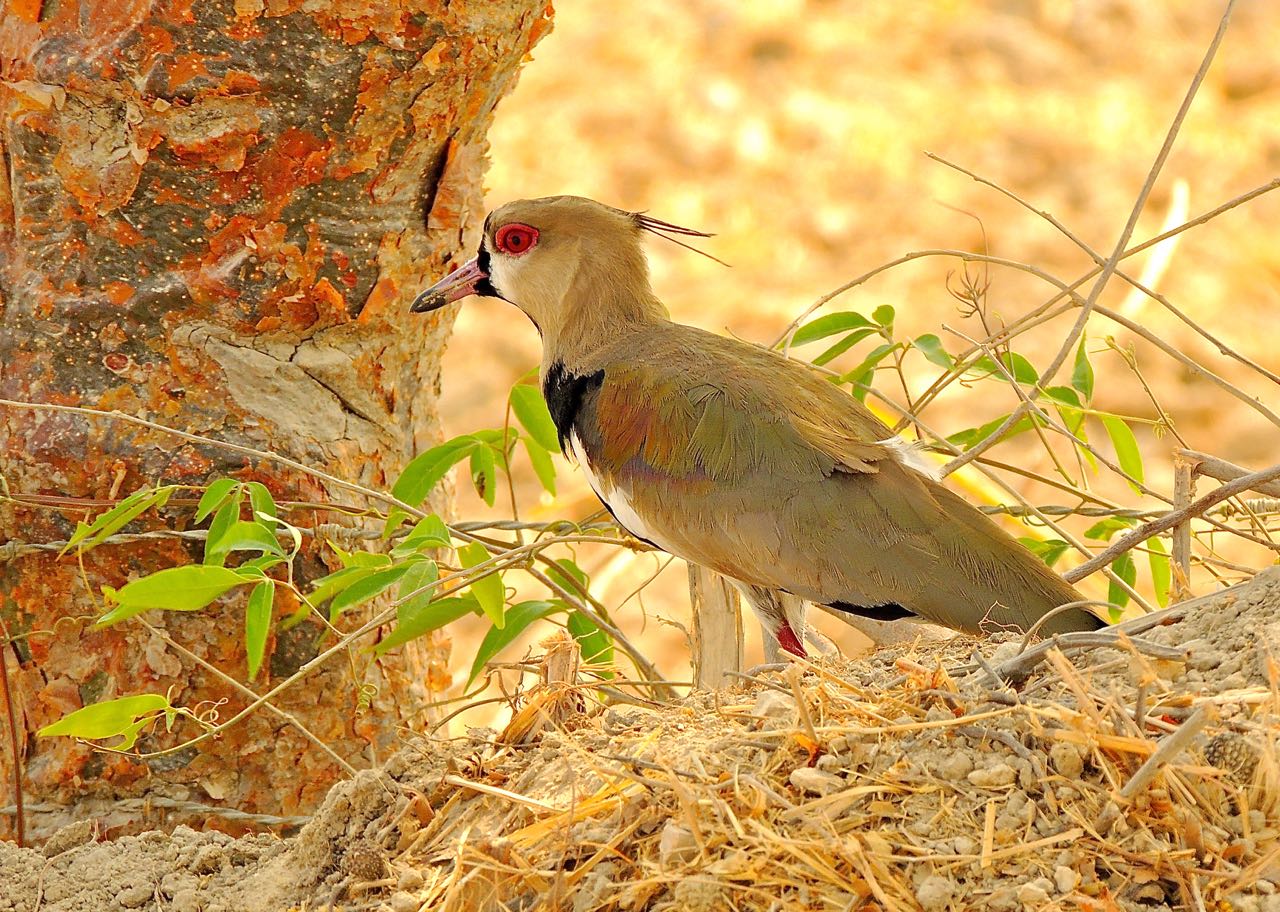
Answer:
(456, 285)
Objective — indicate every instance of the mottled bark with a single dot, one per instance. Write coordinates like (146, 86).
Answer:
(213, 215)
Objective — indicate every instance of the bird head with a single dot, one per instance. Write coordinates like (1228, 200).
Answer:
(574, 266)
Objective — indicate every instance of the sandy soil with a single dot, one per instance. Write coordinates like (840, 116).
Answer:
(905, 780)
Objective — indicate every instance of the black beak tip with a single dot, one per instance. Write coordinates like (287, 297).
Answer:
(428, 301)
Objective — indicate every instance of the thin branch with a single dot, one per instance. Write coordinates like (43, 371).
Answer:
(226, 678)
(1064, 351)
(1221, 470)
(1097, 258)
(20, 818)
(223, 444)
(1169, 520)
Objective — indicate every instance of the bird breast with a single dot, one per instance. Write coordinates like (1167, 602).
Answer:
(616, 498)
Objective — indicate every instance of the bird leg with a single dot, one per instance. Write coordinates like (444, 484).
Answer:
(781, 618)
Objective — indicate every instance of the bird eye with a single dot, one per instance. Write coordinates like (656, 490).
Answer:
(516, 239)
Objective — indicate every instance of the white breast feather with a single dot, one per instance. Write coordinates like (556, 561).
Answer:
(614, 496)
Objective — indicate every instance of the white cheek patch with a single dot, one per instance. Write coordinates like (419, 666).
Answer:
(615, 497)
(910, 456)
(502, 275)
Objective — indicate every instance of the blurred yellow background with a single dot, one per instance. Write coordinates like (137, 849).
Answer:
(797, 131)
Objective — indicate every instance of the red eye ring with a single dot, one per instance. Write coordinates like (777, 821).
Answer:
(516, 239)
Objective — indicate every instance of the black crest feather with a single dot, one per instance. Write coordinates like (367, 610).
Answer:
(666, 230)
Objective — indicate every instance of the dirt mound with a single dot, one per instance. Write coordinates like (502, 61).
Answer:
(1135, 775)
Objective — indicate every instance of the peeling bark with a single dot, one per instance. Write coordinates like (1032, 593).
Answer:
(213, 215)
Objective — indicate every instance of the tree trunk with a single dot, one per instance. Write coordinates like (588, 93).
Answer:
(213, 215)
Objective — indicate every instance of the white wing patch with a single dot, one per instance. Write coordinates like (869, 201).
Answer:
(910, 456)
(614, 496)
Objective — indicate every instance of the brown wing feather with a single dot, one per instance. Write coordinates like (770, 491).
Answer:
(757, 467)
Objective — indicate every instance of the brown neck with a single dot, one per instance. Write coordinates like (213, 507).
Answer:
(600, 306)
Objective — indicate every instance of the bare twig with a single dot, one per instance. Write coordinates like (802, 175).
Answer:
(1064, 351)
(1221, 470)
(1171, 519)
(20, 819)
(222, 444)
(1170, 746)
(227, 679)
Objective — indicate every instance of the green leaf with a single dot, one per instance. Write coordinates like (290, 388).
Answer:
(366, 588)
(1161, 572)
(488, 589)
(228, 515)
(861, 376)
(430, 532)
(531, 410)
(884, 315)
(1103, 529)
(213, 497)
(426, 470)
(1124, 568)
(358, 558)
(187, 588)
(1050, 551)
(595, 645)
(1082, 373)
(1019, 367)
(413, 590)
(124, 717)
(257, 567)
(967, 439)
(327, 587)
(829, 325)
(843, 346)
(483, 477)
(1126, 446)
(568, 576)
(243, 535)
(1064, 396)
(499, 638)
(257, 623)
(418, 619)
(931, 347)
(119, 516)
(261, 501)
(542, 464)
(1068, 405)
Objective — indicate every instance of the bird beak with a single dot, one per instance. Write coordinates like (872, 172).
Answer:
(458, 284)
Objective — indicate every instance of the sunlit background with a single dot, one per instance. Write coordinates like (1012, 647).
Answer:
(797, 132)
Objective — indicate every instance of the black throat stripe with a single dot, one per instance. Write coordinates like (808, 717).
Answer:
(565, 392)
(484, 287)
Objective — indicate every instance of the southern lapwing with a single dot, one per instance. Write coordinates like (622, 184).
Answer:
(734, 457)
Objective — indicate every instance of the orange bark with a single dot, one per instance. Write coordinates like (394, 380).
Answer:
(214, 215)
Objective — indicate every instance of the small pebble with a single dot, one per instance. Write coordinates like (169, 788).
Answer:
(992, 776)
(816, 781)
(1067, 760)
(954, 766)
(409, 879)
(404, 902)
(1033, 895)
(209, 858)
(935, 893)
(135, 896)
(778, 710)
(1065, 879)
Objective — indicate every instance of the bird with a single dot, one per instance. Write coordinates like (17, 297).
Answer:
(737, 458)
